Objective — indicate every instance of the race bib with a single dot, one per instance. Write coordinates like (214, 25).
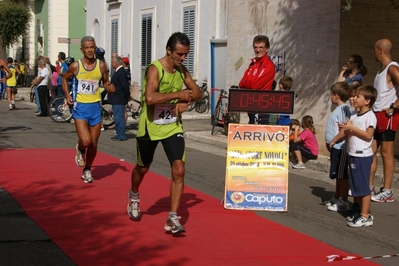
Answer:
(163, 114)
(87, 86)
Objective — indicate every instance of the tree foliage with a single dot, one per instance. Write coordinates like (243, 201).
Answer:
(14, 22)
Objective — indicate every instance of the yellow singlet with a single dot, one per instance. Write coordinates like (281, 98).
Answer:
(87, 82)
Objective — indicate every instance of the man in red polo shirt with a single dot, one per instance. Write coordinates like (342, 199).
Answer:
(260, 73)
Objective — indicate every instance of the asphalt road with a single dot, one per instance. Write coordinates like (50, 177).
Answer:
(22, 243)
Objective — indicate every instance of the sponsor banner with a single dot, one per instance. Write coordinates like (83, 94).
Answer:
(257, 167)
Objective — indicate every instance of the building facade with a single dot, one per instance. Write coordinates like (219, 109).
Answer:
(56, 26)
(140, 29)
(310, 40)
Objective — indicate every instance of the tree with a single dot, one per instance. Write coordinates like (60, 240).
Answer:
(14, 22)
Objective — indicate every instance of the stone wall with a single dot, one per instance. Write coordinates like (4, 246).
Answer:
(310, 41)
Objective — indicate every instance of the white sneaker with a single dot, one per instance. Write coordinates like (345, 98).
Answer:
(340, 205)
(299, 166)
(350, 192)
(383, 195)
(79, 160)
(359, 221)
(330, 202)
(133, 207)
(87, 177)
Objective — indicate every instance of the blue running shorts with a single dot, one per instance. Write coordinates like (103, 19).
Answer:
(90, 112)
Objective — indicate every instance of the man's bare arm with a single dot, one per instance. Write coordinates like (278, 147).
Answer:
(153, 96)
(192, 85)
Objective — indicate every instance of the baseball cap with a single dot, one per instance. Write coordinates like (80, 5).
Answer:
(125, 60)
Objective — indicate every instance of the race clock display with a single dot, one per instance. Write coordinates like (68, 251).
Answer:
(260, 101)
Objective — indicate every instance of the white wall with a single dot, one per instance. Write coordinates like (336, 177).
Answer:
(57, 28)
(167, 18)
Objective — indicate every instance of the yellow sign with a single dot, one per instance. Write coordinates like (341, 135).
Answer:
(257, 167)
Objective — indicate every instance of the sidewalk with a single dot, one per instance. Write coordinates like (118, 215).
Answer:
(322, 163)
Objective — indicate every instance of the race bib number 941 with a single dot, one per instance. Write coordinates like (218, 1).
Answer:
(163, 114)
(87, 86)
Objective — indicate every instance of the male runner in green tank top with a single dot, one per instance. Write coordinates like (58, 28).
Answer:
(163, 101)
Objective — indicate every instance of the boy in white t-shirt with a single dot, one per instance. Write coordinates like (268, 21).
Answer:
(359, 131)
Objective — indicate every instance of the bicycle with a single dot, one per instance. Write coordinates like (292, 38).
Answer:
(134, 107)
(61, 112)
(221, 116)
(203, 104)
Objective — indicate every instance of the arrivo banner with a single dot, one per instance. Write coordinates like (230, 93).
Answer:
(257, 167)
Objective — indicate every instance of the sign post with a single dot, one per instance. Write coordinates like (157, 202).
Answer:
(69, 41)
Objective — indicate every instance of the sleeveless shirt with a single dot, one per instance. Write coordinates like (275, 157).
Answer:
(86, 83)
(385, 95)
(167, 83)
(12, 82)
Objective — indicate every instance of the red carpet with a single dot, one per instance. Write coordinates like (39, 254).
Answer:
(90, 224)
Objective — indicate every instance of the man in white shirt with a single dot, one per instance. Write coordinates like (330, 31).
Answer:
(41, 82)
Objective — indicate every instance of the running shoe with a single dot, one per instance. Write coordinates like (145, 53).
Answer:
(133, 208)
(87, 177)
(299, 166)
(13, 106)
(79, 160)
(359, 221)
(10, 107)
(383, 196)
(173, 225)
(340, 205)
(330, 202)
(354, 212)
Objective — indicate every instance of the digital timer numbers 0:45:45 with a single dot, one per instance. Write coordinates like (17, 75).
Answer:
(264, 101)
(260, 101)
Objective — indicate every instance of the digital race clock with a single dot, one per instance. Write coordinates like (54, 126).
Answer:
(261, 101)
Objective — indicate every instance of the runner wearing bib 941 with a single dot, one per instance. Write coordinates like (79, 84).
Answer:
(87, 74)
(163, 101)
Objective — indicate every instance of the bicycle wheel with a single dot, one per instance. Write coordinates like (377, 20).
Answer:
(203, 104)
(134, 106)
(59, 110)
(234, 117)
(216, 119)
(108, 115)
(191, 106)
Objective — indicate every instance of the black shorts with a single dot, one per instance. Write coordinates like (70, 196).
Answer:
(387, 135)
(173, 146)
(339, 164)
